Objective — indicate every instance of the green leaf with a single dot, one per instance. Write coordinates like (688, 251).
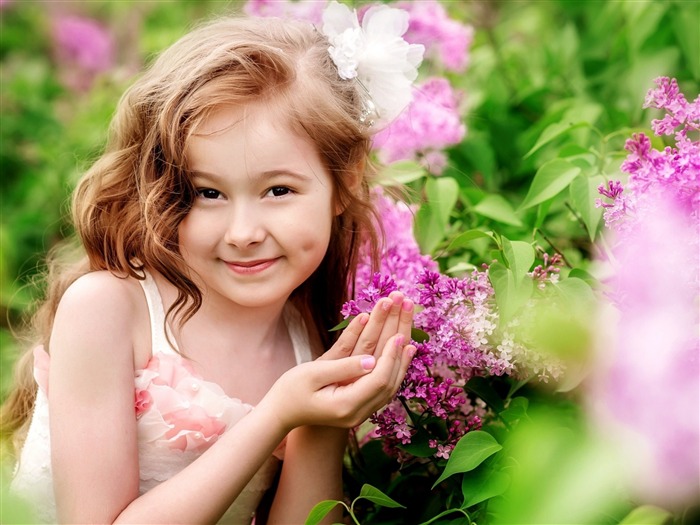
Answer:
(582, 192)
(320, 511)
(497, 208)
(463, 239)
(483, 484)
(433, 216)
(519, 256)
(401, 172)
(377, 497)
(342, 324)
(582, 274)
(419, 336)
(511, 293)
(549, 181)
(553, 131)
(469, 453)
(646, 515)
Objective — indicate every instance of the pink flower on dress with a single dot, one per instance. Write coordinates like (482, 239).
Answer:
(142, 401)
(178, 409)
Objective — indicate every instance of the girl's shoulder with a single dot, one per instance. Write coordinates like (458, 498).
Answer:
(103, 289)
(103, 307)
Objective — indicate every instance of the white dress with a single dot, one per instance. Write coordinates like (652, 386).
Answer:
(178, 417)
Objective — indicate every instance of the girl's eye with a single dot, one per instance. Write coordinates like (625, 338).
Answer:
(208, 193)
(279, 191)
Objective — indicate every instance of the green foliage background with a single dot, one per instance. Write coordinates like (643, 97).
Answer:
(553, 89)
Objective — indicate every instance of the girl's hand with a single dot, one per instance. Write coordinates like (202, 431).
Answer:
(368, 334)
(341, 392)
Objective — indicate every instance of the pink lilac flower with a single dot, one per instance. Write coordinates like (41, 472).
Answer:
(445, 39)
(430, 124)
(309, 10)
(83, 47)
(461, 319)
(674, 170)
(651, 342)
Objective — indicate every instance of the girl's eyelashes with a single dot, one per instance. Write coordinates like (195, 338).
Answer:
(274, 192)
(279, 191)
(208, 193)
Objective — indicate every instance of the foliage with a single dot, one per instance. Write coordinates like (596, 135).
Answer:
(546, 95)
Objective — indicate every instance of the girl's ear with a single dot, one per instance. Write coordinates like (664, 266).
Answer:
(352, 185)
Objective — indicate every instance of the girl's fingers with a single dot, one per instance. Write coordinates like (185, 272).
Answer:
(369, 340)
(406, 318)
(391, 324)
(348, 339)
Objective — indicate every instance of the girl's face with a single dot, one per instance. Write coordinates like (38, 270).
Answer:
(261, 220)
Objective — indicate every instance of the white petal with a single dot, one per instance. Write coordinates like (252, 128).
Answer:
(385, 20)
(337, 18)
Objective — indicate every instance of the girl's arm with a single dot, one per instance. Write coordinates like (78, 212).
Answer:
(93, 428)
(313, 461)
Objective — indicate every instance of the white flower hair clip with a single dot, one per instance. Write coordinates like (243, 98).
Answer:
(375, 54)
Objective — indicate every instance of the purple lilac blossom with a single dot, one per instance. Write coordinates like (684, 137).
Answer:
(430, 124)
(309, 10)
(645, 393)
(84, 48)
(673, 171)
(445, 39)
(461, 319)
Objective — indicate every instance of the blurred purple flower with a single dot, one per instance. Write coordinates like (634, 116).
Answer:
(84, 47)
(445, 39)
(310, 10)
(431, 123)
(645, 393)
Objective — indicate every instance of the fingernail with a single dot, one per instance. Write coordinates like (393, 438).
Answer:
(399, 340)
(363, 319)
(411, 350)
(397, 299)
(368, 362)
(386, 304)
(407, 305)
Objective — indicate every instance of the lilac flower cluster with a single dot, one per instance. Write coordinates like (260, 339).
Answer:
(84, 48)
(430, 124)
(673, 171)
(461, 318)
(445, 39)
(649, 335)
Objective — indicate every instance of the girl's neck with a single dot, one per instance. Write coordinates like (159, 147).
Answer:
(221, 320)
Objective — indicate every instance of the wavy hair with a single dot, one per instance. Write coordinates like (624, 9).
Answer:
(127, 207)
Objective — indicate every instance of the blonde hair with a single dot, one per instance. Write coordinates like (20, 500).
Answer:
(128, 205)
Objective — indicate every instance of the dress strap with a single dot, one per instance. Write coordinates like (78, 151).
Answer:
(297, 333)
(156, 312)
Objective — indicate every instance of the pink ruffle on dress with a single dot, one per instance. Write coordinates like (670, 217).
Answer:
(178, 416)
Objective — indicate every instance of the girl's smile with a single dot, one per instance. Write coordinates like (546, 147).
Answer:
(251, 267)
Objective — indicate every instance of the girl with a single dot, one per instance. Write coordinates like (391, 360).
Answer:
(221, 227)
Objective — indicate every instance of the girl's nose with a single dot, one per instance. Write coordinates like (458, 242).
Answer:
(245, 227)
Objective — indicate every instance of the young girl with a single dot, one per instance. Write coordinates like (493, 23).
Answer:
(221, 227)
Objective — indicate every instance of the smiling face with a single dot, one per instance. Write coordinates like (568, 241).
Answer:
(261, 220)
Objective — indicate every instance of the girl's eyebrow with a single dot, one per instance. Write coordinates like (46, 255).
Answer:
(261, 176)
